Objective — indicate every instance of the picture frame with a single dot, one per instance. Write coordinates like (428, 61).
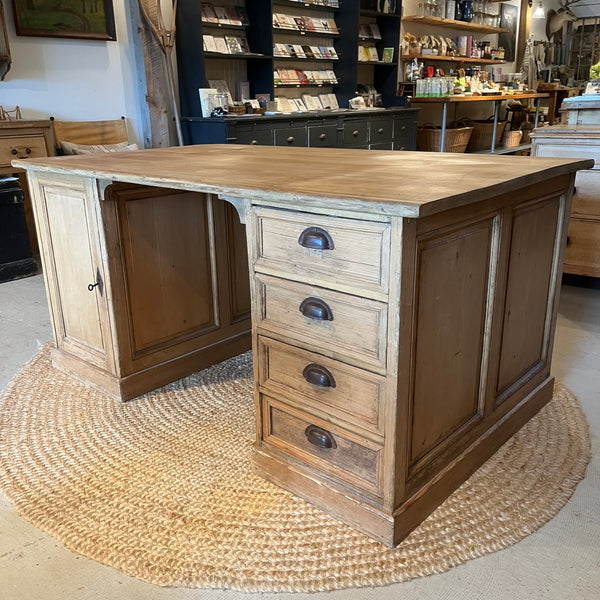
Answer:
(72, 19)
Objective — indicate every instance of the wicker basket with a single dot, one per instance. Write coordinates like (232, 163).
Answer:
(481, 139)
(455, 140)
(511, 139)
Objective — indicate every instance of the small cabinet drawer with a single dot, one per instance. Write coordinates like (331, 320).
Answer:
(324, 136)
(582, 255)
(323, 445)
(292, 136)
(337, 325)
(260, 137)
(381, 146)
(586, 201)
(339, 251)
(404, 134)
(355, 133)
(567, 149)
(348, 394)
(13, 147)
(381, 130)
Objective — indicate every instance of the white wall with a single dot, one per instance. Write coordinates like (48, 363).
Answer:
(75, 80)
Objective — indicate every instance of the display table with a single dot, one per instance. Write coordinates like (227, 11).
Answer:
(496, 99)
(402, 327)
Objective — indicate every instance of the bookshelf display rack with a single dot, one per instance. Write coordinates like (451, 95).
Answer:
(197, 65)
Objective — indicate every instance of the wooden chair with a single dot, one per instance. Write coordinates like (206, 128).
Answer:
(90, 132)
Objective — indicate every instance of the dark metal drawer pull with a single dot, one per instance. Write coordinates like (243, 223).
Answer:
(316, 309)
(316, 238)
(380, 130)
(318, 375)
(321, 438)
(322, 136)
(291, 139)
(355, 133)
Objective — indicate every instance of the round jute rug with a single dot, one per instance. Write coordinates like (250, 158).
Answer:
(161, 487)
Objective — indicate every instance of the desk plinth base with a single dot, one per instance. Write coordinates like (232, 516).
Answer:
(391, 528)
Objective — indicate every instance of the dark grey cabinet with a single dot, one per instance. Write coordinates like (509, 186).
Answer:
(391, 129)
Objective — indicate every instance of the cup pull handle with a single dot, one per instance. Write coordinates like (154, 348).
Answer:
(318, 375)
(316, 238)
(321, 438)
(316, 309)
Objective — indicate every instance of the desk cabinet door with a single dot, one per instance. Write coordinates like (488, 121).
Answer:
(73, 267)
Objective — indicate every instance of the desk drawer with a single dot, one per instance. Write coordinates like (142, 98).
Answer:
(381, 130)
(323, 445)
(355, 133)
(586, 201)
(582, 255)
(292, 136)
(355, 253)
(18, 146)
(337, 325)
(324, 136)
(569, 149)
(254, 137)
(350, 396)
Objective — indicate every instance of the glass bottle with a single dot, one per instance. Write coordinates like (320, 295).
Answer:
(467, 11)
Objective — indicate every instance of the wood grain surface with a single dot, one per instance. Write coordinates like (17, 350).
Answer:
(397, 183)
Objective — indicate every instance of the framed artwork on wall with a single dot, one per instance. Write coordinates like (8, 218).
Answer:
(75, 19)
(508, 39)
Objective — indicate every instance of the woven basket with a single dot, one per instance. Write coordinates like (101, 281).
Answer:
(511, 139)
(455, 140)
(481, 139)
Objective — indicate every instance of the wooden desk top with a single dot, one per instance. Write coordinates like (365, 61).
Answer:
(409, 184)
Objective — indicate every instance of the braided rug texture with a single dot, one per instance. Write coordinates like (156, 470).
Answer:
(161, 487)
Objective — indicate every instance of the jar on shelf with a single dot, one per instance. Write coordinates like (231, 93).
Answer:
(467, 11)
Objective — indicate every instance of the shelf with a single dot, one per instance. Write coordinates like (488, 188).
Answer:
(502, 150)
(485, 98)
(297, 32)
(452, 24)
(376, 62)
(209, 25)
(456, 59)
(308, 5)
(237, 55)
(307, 59)
(305, 85)
(374, 13)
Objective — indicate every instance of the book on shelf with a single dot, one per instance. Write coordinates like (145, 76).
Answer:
(311, 25)
(221, 45)
(364, 31)
(299, 50)
(209, 44)
(300, 24)
(233, 16)
(372, 53)
(316, 52)
(244, 44)
(283, 104)
(308, 52)
(243, 90)
(222, 88)
(280, 50)
(290, 50)
(325, 101)
(208, 13)
(362, 54)
(206, 100)
(324, 52)
(332, 52)
(333, 101)
(233, 44)
(242, 15)
(222, 15)
(388, 55)
(331, 76)
(276, 77)
(301, 77)
(375, 33)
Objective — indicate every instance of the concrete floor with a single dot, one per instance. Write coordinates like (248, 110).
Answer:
(560, 561)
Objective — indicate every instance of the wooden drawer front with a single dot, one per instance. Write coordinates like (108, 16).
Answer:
(261, 137)
(404, 134)
(324, 136)
(292, 136)
(582, 255)
(323, 445)
(586, 201)
(348, 394)
(570, 150)
(382, 146)
(381, 130)
(359, 258)
(18, 146)
(355, 133)
(357, 331)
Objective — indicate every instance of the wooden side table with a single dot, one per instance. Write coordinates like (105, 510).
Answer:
(25, 139)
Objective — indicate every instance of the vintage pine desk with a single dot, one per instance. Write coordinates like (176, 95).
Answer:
(403, 303)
